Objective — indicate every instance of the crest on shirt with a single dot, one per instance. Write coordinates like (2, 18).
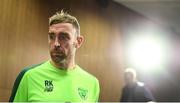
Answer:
(83, 93)
(48, 86)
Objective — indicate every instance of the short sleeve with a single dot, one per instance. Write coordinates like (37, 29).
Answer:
(20, 89)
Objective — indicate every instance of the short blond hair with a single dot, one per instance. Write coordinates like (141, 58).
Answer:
(130, 71)
(64, 17)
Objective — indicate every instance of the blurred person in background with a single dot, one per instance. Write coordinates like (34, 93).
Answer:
(134, 91)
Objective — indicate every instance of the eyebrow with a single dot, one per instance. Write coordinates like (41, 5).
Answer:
(60, 33)
(64, 33)
(51, 33)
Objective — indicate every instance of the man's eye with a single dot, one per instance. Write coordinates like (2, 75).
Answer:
(63, 37)
(52, 37)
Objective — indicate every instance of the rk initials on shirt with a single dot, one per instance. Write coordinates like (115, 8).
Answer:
(48, 86)
(48, 83)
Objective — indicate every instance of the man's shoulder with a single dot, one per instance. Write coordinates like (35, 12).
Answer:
(141, 87)
(140, 84)
(86, 74)
(30, 68)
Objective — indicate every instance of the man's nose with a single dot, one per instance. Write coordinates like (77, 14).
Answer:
(57, 44)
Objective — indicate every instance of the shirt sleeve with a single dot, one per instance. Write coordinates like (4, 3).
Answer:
(148, 95)
(123, 95)
(20, 88)
(97, 90)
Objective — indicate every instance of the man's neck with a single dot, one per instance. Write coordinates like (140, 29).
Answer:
(64, 66)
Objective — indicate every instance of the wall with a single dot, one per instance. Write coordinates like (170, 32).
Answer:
(23, 40)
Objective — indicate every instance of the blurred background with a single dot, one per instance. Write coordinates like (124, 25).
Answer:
(141, 34)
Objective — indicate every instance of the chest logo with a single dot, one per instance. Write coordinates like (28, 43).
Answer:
(48, 86)
(83, 93)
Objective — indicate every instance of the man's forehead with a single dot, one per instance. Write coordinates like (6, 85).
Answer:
(62, 25)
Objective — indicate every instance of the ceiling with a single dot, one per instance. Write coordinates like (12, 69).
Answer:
(165, 12)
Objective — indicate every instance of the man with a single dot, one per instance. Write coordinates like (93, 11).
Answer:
(58, 79)
(134, 91)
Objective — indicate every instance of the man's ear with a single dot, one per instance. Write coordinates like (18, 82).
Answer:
(79, 42)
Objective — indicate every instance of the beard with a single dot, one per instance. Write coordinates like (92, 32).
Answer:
(58, 57)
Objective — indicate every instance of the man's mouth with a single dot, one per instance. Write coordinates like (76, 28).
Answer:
(58, 53)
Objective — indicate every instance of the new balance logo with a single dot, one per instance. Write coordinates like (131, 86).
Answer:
(48, 86)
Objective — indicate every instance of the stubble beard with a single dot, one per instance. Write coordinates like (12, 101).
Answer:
(58, 58)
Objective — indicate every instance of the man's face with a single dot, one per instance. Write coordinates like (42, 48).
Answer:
(129, 78)
(62, 42)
